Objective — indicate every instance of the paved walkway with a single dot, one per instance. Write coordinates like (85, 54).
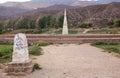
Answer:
(76, 61)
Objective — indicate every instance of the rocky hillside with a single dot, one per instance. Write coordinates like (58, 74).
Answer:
(13, 8)
(97, 15)
(5, 11)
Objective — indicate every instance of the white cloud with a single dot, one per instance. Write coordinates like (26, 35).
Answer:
(3, 1)
(88, 0)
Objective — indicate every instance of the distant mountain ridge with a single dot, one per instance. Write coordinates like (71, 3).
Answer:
(5, 11)
(66, 2)
(13, 8)
(26, 5)
(98, 15)
(16, 11)
(69, 2)
(56, 2)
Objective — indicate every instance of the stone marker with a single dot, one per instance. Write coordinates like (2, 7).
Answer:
(21, 63)
(20, 50)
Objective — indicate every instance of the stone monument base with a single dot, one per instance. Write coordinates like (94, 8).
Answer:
(19, 68)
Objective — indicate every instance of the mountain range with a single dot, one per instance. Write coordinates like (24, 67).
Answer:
(98, 15)
(13, 8)
(74, 1)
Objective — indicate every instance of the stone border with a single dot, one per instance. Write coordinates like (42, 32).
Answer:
(84, 38)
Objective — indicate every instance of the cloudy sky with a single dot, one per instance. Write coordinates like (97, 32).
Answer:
(3, 1)
(88, 0)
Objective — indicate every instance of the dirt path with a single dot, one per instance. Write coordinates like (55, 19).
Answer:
(86, 30)
(76, 61)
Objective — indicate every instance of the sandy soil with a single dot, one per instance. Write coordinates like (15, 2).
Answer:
(75, 61)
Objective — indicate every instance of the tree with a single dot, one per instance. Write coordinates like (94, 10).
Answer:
(1, 27)
(32, 23)
(42, 22)
(47, 21)
(117, 23)
(23, 23)
(53, 22)
(11, 24)
(60, 21)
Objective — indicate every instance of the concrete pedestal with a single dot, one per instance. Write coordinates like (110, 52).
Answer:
(19, 68)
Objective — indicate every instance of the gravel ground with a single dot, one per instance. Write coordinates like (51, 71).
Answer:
(75, 61)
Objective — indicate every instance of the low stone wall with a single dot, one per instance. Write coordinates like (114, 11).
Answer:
(19, 68)
(84, 38)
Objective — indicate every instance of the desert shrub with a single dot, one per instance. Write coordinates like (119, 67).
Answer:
(99, 43)
(70, 32)
(85, 25)
(35, 50)
(73, 31)
(108, 46)
(40, 43)
(6, 54)
(58, 32)
(113, 43)
(6, 51)
(38, 31)
(43, 43)
(36, 67)
(113, 49)
(105, 43)
(6, 43)
(29, 31)
(117, 23)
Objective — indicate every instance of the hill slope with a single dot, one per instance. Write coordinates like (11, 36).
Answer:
(98, 15)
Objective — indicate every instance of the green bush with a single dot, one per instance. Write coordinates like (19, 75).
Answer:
(70, 32)
(6, 43)
(43, 43)
(105, 43)
(38, 31)
(35, 50)
(36, 67)
(29, 31)
(58, 32)
(40, 43)
(113, 43)
(113, 49)
(6, 54)
(117, 23)
(85, 25)
(99, 43)
(73, 32)
(108, 46)
(6, 51)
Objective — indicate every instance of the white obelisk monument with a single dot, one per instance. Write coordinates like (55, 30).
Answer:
(65, 25)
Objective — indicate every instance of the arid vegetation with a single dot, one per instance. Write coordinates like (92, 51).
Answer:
(108, 46)
(6, 50)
